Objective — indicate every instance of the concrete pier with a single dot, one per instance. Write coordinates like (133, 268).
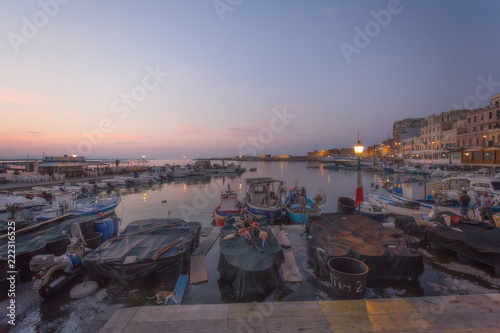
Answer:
(463, 313)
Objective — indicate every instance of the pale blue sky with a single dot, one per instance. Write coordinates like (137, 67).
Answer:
(226, 76)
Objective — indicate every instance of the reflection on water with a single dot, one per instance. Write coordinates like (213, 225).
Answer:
(194, 198)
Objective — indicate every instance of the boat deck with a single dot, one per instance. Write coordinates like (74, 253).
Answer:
(463, 313)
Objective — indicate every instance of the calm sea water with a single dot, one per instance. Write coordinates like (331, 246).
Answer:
(194, 199)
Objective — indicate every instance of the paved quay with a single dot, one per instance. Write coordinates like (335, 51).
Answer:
(462, 313)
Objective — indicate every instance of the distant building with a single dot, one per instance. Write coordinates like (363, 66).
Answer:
(314, 155)
(70, 166)
(347, 151)
(334, 151)
(404, 129)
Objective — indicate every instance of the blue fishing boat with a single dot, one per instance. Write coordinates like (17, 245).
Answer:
(64, 203)
(293, 209)
(332, 166)
(96, 206)
(264, 198)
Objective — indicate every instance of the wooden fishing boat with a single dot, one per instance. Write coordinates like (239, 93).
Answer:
(229, 206)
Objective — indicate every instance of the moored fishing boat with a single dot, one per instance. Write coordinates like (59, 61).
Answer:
(63, 203)
(375, 212)
(151, 248)
(264, 198)
(312, 207)
(229, 206)
(333, 166)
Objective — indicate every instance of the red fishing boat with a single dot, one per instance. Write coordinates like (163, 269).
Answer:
(229, 206)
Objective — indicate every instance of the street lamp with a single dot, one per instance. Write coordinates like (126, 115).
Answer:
(358, 149)
(184, 157)
(432, 153)
(74, 155)
(143, 160)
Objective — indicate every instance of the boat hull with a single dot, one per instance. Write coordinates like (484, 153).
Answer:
(271, 213)
(300, 218)
(221, 216)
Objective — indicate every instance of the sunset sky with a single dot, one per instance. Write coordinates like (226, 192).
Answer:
(110, 79)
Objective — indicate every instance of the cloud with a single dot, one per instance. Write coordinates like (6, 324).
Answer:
(242, 131)
(8, 94)
(33, 132)
(127, 143)
(191, 129)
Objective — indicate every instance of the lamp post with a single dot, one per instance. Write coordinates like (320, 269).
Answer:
(358, 149)
(184, 157)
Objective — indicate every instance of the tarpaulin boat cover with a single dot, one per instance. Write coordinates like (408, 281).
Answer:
(250, 269)
(388, 252)
(412, 228)
(469, 241)
(47, 233)
(130, 256)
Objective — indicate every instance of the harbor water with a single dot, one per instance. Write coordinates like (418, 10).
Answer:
(194, 199)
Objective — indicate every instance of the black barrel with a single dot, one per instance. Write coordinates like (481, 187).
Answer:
(87, 226)
(348, 277)
(93, 240)
(345, 205)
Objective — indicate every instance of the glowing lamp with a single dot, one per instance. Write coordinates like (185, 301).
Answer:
(358, 148)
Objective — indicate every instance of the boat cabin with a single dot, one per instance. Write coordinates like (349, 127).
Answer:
(295, 194)
(412, 189)
(229, 200)
(490, 185)
(264, 193)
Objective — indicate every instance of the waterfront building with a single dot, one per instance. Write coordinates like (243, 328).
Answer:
(481, 124)
(404, 129)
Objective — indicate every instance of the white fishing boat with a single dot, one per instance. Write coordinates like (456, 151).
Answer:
(20, 207)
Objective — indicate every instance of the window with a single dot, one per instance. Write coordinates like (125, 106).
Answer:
(491, 115)
(498, 113)
(463, 142)
(438, 136)
(470, 142)
(493, 140)
(477, 141)
(475, 118)
(469, 119)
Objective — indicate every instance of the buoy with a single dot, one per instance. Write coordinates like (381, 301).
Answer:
(100, 214)
(84, 289)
